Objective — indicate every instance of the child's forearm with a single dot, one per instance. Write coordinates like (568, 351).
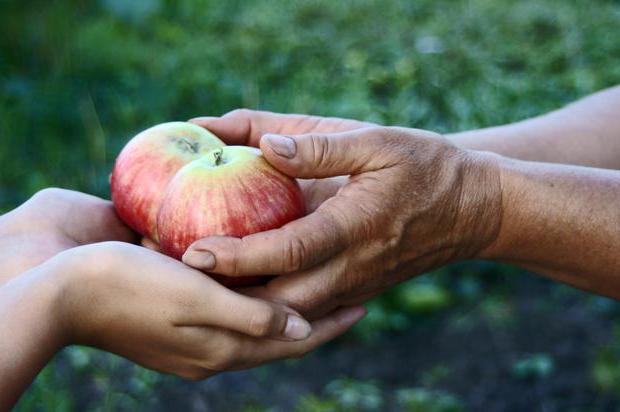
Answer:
(31, 330)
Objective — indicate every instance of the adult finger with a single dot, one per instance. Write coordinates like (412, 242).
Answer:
(326, 155)
(245, 127)
(296, 246)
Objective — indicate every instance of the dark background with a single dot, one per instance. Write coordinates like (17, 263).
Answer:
(79, 78)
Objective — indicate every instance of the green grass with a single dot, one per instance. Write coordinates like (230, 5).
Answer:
(79, 78)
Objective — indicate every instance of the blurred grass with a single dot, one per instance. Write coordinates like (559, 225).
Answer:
(78, 78)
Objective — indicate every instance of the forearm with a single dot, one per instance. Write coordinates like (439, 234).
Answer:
(30, 330)
(585, 133)
(561, 221)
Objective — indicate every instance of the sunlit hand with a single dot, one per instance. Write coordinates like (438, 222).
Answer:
(413, 202)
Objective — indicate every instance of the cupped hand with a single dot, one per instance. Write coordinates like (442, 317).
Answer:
(166, 316)
(246, 127)
(413, 202)
(54, 220)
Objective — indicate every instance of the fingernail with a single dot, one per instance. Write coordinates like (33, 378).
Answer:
(352, 315)
(199, 259)
(282, 145)
(297, 328)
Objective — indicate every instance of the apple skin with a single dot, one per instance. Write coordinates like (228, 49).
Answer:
(231, 191)
(148, 163)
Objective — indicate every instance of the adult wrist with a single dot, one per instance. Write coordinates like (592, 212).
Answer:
(480, 204)
(509, 175)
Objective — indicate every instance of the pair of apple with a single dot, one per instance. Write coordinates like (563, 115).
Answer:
(176, 183)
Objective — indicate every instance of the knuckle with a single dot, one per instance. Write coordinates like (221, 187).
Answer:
(394, 134)
(295, 254)
(239, 113)
(220, 364)
(49, 194)
(299, 353)
(232, 257)
(224, 357)
(194, 374)
(398, 142)
(262, 322)
(320, 150)
(32, 213)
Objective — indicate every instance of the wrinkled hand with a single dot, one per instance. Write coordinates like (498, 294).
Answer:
(413, 202)
(246, 127)
(54, 220)
(166, 316)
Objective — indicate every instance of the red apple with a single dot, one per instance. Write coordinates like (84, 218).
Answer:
(148, 163)
(230, 191)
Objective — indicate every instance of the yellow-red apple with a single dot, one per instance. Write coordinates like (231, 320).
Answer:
(146, 165)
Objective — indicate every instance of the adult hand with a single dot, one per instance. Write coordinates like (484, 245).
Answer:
(54, 220)
(246, 127)
(413, 202)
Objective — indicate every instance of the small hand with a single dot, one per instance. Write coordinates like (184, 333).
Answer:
(166, 316)
(54, 220)
(413, 202)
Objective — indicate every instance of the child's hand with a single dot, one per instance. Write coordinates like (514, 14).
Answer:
(166, 316)
(51, 221)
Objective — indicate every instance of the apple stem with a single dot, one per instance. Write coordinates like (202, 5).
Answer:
(218, 156)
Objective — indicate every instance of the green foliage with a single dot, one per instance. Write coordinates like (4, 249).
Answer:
(435, 375)
(313, 403)
(350, 395)
(426, 400)
(47, 395)
(113, 382)
(536, 366)
(422, 297)
(354, 395)
(344, 394)
(606, 366)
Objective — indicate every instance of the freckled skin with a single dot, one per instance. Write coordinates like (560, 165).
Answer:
(241, 196)
(147, 164)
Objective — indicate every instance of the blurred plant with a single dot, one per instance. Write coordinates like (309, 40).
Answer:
(435, 375)
(49, 392)
(356, 395)
(606, 366)
(536, 366)
(427, 400)
(255, 407)
(344, 395)
(313, 403)
(498, 311)
(422, 296)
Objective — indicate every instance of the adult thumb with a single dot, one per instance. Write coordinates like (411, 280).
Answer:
(325, 155)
